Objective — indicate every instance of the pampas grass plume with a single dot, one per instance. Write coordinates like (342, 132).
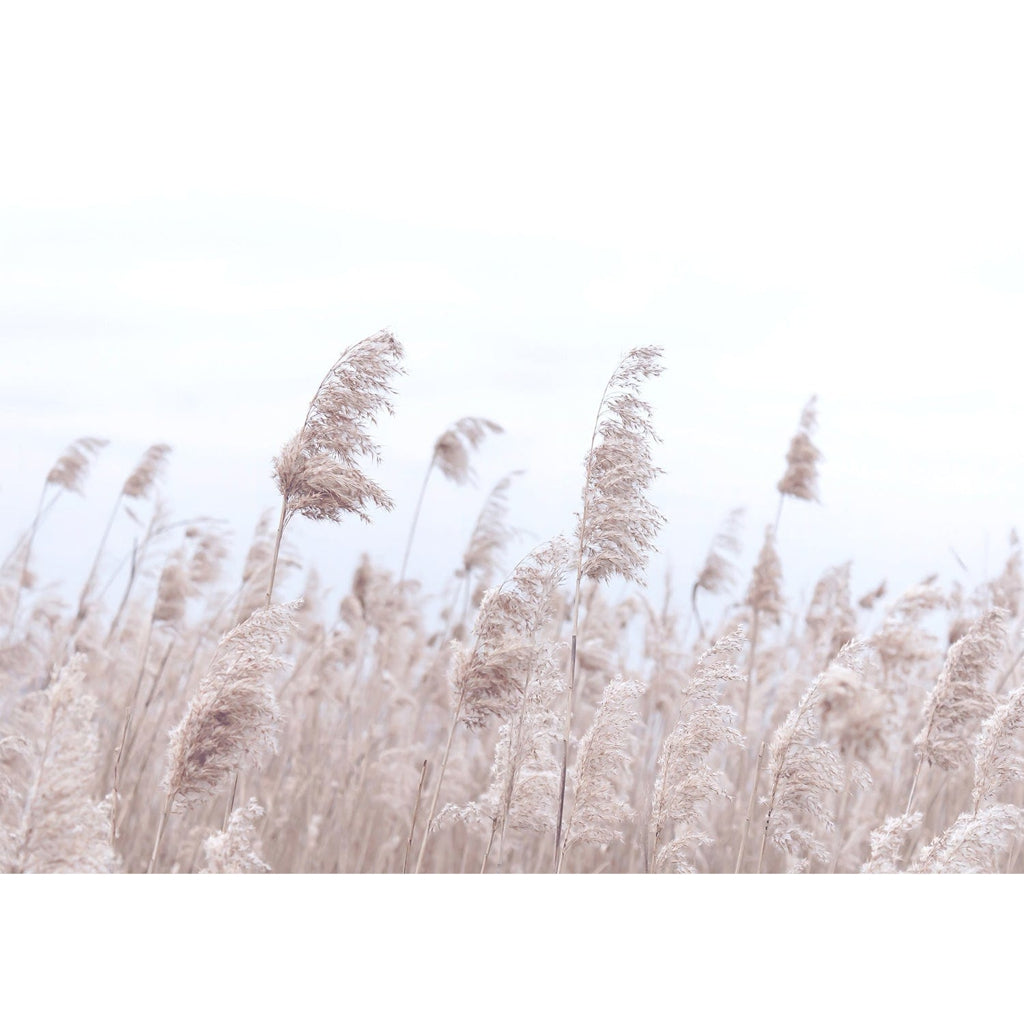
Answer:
(233, 719)
(236, 850)
(801, 477)
(317, 472)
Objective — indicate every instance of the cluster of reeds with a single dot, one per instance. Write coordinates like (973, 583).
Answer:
(173, 718)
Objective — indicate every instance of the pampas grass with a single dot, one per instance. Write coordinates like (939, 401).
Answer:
(601, 774)
(686, 780)
(617, 526)
(451, 456)
(523, 717)
(51, 820)
(960, 700)
(318, 472)
(233, 719)
(236, 850)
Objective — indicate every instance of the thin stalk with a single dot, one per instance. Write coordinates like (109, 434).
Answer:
(582, 530)
(650, 850)
(231, 803)
(750, 810)
(565, 738)
(149, 696)
(415, 812)
(750, 672)
(913, 785)
(1009, 672)
(27, 828)
(282, 521)
(840, 814)
(117, 777)
(36, 520)
(490, 843)
(90, 580)
(437, 788)
(768, 816)
(160, 832)
(415, 519)
(133, 569)
(513, 769)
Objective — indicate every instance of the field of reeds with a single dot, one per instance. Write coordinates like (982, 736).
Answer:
(175, 717)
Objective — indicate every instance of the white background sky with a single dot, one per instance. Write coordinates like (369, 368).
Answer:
(201, 205)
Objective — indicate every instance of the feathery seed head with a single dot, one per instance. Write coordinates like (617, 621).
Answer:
(602, 767)
(317, 472)
(69, 470)
(618, 525)
(172, 592)
(764, 594)
(801, 477)
(144, 476)
(489, 678)
(234, 716)
(972, 843)
(718, 571)
(452, 448)
(236, 850)
(997, 760)
(960, 700)
(491, 533)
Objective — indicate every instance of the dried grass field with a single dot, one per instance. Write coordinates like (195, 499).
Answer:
(175, 718)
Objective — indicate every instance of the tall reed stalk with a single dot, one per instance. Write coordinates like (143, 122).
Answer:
(616, 529)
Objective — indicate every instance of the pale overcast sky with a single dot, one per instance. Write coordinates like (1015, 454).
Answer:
(201, 205)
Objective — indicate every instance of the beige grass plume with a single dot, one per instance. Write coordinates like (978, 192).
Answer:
(764, 597)
(451, 456)
(523, 783)
(686, 780)
(66, 475)
(960, 700)
(491, 533)
(69, 471)
(803, 772)
(208, 556)
(888, 842)
(236, 850)
(452, 448)
(318, 472)
(972, 843)
(718, 571)
(602, 770)
(997, 757)
(618, 524)
(764, 593)
(801, 477)
(138, 486)
(901, 640)
(831, 620)
(233, 719)
(488, 680)
(55, 824)
(142, 479)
